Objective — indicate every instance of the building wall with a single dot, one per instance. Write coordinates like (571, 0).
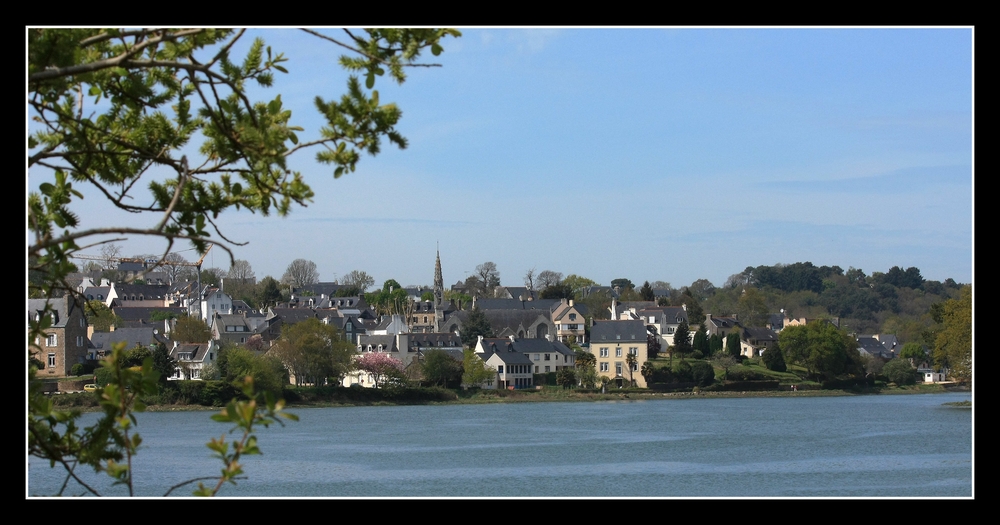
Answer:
(616, 354)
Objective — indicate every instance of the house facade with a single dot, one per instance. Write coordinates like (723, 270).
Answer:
(64, 343)
(611, 342)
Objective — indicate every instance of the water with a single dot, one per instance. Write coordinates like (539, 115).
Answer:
(862, 446)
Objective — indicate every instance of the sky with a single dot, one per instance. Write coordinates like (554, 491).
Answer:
(670, 154)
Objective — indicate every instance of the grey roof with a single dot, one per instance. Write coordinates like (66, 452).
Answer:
(62, 308)
(137, 316)
(434, 340)
(610, 331)
(504, 349)
(529, 346)
(291, 315)
(514, 304)
(198, 349)
(872, 346)
(673, 314)
(388, 342)
(97, 292)
(760, 334)
(147, 291)
(132, 337)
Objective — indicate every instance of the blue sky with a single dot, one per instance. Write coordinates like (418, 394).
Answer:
(654, 154)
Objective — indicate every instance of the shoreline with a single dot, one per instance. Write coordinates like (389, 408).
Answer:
(570, 396)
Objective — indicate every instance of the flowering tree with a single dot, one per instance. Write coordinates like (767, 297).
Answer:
(382, 367)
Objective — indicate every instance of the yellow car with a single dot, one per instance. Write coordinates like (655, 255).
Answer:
(90, 388)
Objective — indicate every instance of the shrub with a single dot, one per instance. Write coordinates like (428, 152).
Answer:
(77, 369)
(702, 373)
(900, 372)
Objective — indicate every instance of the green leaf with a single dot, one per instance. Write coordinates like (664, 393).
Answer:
(370, 80)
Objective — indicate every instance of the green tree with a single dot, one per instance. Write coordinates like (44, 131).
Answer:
(100, 316)
(733, 344)
(900, 371)
(715, 344)
(566, 377)
(586, 368)
(822, 348)
(267, 371)
(358, 279)
(646, 291)
(682, 340)
(440, 368)
(188, 329)
(700, 343)
(476, 325)
(913, 352)
(578, 284)
(953, 346)
(631, 361)
(313, 352)
(267, 293)
(556, 291)
(474, 370)
(773, 358)
(751, 308)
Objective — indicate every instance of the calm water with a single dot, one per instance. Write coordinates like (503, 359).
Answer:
(865, 446)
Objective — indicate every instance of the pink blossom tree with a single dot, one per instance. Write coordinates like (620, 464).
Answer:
(382, 367)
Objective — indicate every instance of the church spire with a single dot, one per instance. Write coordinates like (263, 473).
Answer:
(438, 280)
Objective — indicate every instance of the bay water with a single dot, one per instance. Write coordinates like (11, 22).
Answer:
(850, 446)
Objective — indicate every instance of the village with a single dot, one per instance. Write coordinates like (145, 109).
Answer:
(518, 338)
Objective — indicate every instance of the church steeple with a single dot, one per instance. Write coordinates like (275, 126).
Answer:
(438, 293)
(438, 281)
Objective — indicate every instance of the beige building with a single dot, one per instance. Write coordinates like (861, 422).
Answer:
(611, 342)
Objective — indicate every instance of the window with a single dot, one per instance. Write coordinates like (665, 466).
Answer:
(547, 369)
(618, 368)
(670, 330)
(572, 317)
(52, 360)
(618, 352)
(51, 340)
(538, 357)
(604, 367)
(79, 341)
(548, 357)
(604, 352)
(633, 350)
(500, 369)
(536, 369)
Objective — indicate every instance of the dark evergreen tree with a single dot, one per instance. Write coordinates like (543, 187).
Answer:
(476, 325)
(733, 344)
(715, 344)
(682, 340)
(773, 359)
(700, 343)
(646, 292)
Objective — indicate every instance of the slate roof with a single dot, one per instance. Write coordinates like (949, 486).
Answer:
(139, 316)
(427, 341)
(610, 331)
(388, 342)
(198, 350)
(672, 314)
(514, 304)
(529, 346)
(872, 346)
(132, 337)
(761, 335)
(61, 307)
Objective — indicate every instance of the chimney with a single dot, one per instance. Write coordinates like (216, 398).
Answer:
(511, 337)
(571, 302)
